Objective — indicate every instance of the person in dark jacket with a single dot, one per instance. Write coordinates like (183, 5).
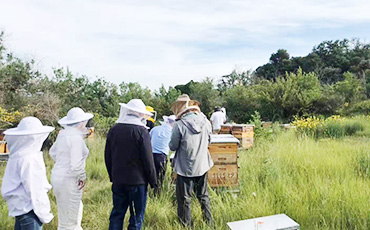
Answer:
(130, 165)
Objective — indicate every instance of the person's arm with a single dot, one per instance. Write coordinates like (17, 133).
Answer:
(175, 138)
(147, 157)
(33, 178)
(212, 118)
(78, 146)
(52, 151)
(209, 131)
(108, 156)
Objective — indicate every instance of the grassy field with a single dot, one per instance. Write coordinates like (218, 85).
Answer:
(321, 184)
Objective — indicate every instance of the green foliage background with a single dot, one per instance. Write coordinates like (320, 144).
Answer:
(334, 78)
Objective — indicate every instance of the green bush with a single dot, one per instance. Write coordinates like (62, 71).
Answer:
(334, 129)
(352, 128)
(363, 165)
(103, 124)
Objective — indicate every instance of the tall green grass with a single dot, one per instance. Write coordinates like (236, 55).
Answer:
(321, 184)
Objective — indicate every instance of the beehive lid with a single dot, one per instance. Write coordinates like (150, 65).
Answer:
(224, 138)
(242, 125)
(275, 222)
(226, 125)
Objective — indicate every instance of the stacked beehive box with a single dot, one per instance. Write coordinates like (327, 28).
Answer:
(245, 134)
(226, 129)
(224, 153)
(3, 146)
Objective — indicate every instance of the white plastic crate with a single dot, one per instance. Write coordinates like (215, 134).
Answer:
(275, 222)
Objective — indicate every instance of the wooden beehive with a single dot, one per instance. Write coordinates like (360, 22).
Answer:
(266, 124)
(224, 153)
(225, 129)
(245, 134)
(225, 175)
(3, 146)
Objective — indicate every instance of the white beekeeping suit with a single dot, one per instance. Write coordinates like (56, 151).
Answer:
(25, 184)
(68, 175)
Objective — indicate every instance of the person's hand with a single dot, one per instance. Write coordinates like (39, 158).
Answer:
(81, 184)
(154, 186)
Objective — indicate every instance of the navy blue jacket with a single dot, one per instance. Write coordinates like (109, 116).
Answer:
(129, 157)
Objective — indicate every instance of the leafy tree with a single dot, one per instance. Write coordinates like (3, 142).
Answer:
(206, 94)
(163, 99)
(350, 88)
(234, 79)
(279, 64)
(134, 90)
(186, 89)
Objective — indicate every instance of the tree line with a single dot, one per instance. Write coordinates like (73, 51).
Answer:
(334, 78)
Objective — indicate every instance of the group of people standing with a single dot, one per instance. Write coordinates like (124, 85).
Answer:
(135, 157)
(25, 184)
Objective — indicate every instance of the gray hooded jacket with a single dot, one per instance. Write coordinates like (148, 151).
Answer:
(190, 139)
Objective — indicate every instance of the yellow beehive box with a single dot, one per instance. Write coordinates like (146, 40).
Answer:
(224, 149)
(223, 175)
(225, 129)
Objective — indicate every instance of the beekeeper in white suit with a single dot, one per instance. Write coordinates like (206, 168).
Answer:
(25, 184)
(68, 175)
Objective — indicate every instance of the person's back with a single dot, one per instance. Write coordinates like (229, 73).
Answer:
(217, 119)
(190, 139)
(160, 138)
(63, 150)
(128, 155)
(24, 186)
(130, 165)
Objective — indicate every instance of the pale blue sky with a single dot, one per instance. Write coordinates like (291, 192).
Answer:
(171, 42)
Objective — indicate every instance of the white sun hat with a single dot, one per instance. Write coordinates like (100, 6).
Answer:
(29, 126)
(136, 105)
(75, 115)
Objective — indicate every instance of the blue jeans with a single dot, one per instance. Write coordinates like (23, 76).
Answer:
(28, 221)
(125, 196)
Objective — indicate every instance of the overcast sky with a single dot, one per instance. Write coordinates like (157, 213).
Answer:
(171, 41)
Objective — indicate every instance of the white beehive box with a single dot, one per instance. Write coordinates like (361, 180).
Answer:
(275, 222)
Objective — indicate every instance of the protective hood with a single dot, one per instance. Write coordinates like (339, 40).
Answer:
(71, 131)
(127, 116)
(24, 145)
(194, 122)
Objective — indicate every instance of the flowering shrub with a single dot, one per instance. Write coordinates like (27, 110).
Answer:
(8, 119)
(331, 127)
(308, 126)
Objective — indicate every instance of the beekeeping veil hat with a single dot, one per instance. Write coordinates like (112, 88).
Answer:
(27, 138)
(75, 115)
(184, 104)
(133, 112)
(29, 126)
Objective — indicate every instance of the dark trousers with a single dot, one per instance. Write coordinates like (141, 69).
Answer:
(184, 187)
(28, 221)
(160, 163)
(125, 196)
